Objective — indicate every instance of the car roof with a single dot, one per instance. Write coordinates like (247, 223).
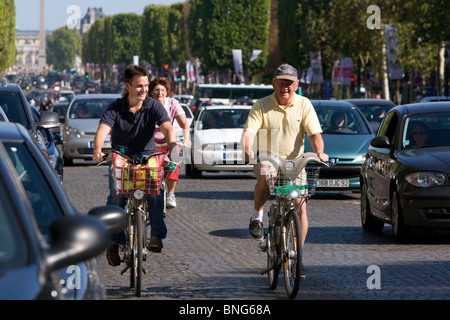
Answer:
(97, 96)
(423, 107)
(370, 101)
(12, 131)
(10, 87)
(226, 107)
(331, 103)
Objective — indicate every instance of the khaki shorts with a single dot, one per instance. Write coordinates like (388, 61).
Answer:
(265, 167)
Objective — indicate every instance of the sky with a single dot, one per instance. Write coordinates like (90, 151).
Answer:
(59, 13)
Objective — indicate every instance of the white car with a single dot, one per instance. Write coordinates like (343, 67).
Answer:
(216, 134)
(176, 126)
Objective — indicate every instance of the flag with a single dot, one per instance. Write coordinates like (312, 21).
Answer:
(237, 60)
(190, 71)
(255, 55)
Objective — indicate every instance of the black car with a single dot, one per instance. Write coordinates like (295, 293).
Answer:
(14, 105)
(47, 248)
(405, 177)
(373, 109)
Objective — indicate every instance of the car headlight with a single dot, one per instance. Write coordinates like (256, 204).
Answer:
(427, 179)
(213, 147)
(360, 158)
(72, 132)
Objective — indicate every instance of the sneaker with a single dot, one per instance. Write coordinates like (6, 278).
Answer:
(155, 244)
(303, 272)
(256, 229)
(171, 203)
(112, 255)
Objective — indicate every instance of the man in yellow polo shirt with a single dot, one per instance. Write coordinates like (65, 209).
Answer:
(279, 123)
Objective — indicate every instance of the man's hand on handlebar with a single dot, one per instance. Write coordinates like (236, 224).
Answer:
(98, 157)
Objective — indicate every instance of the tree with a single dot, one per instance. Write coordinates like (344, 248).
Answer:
(63, 46)
(226, 25)
(7, 34)
(122, 37)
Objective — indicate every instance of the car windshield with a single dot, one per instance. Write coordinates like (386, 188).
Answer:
(82, 109)
(335, 120)
(424, 131)
(13, 247)
(223, 119)
(11, 104)
(374, 113)
(42, 199)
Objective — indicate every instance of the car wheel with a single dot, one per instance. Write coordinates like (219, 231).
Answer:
(399, 229)
(68, 162)
(368, 222)
(188, 169)
(195, 173)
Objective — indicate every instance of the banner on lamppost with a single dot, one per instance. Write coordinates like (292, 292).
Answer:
(315, 60)
(190, 71)
(237, 60)
(395, 69)
(255, 55)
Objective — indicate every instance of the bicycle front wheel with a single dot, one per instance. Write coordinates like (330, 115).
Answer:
(138, 250)
(292, 254)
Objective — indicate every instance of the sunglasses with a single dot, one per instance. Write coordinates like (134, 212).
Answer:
(422, 133)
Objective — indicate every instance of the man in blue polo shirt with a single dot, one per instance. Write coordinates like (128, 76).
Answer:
(131, 121)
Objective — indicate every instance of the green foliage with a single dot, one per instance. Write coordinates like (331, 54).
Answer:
(7, 34)
(63, 46)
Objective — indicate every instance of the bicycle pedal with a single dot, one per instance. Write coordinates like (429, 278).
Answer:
(262, 246)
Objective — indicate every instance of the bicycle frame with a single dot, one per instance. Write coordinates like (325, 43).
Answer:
(290, 185)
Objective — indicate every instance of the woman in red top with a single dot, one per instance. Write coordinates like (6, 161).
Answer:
(159, 89)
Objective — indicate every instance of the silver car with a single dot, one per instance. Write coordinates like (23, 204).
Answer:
(80, 124)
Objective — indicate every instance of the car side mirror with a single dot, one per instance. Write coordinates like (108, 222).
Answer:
(49, 120)
(114, 217)
(76, 238)
(380, 142)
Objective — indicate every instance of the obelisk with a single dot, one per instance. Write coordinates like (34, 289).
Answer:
(42, 57)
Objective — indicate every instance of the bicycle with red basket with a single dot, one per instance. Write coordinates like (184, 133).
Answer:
(137, 178)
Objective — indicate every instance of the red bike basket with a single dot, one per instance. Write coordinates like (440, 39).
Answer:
(129, 177)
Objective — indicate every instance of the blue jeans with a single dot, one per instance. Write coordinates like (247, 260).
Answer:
(155, 207)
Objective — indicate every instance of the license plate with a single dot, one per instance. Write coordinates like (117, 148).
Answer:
(333, 183)
(232, 156)
(106, 145)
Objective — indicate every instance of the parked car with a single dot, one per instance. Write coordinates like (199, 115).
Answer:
(373, 109)
(176, 126)
(53, 142)
(47, 248)
(15, 106)
(347, 145)
(435, 99)
(80, 128)
(215, 135)
(404, 183)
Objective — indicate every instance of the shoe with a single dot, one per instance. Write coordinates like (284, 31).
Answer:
(256, 229)
(112, 255)
(303, 272)
(171, 203)
(155, 244)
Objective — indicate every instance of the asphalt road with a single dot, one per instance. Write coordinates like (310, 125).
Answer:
(209, 255)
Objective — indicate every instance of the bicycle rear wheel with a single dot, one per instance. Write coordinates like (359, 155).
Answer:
(292, 254)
